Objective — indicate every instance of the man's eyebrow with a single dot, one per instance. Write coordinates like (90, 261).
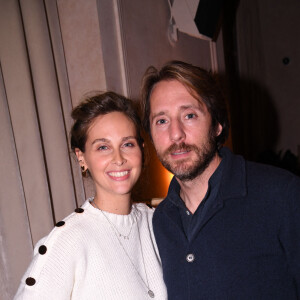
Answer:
(161, 113)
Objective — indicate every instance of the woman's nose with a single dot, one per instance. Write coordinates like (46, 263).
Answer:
(118, 159)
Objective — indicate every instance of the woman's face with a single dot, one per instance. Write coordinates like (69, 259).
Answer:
(112, 154)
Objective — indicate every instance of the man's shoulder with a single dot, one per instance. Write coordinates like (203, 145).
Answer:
(162, 205)
(272, 182)
(269, 172)
(258, 171)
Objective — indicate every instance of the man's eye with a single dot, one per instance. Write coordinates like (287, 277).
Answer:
(102, 148)
(190, 116)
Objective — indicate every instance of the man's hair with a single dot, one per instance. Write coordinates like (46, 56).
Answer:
(202, 85)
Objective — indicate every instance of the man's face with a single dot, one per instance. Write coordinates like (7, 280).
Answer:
(181, 130)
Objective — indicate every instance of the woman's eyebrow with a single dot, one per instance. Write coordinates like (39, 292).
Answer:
(100, 140)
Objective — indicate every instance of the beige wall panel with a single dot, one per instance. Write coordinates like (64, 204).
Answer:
(25, 125)
(144, 26)
(82, 45)
(49, 107)
(112, 47)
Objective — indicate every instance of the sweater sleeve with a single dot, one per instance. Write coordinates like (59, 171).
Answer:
(290, 229)
(50, 274)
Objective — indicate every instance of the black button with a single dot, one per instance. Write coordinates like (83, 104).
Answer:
(42, 249)
(60, 223)
(30, 281)
(79, 210)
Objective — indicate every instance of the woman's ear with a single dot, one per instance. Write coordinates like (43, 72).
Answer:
(80, 156)
(82, 163)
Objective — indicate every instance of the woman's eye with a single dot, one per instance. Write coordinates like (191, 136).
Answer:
(161, 121)
(129, 144)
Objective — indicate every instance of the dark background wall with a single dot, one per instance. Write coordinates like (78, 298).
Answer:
(262, 51)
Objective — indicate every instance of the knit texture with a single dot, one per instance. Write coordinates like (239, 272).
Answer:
(83, 258)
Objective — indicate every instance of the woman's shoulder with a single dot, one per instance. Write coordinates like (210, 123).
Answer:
(55, 257)
(144, 210)
(70, 229)
(143, 206)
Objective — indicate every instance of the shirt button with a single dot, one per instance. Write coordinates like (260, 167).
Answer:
(188, 213)
(190, 257)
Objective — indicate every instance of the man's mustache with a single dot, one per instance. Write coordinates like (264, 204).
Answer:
(182, 147)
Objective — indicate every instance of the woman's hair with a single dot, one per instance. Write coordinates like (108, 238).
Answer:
(201, 84)
(96, 105)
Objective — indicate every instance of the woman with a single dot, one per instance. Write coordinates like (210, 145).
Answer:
(106, 248)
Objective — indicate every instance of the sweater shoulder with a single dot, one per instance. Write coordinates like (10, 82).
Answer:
(68, 231)
(55, 257)
(144, 210)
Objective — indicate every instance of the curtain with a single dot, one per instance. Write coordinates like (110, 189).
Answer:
(254, 115)
(40, 182)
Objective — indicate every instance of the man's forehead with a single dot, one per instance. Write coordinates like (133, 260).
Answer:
(165, 101)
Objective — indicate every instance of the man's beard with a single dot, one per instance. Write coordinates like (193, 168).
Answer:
(185, 169)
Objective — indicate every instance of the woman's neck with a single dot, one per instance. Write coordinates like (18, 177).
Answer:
(120, 205)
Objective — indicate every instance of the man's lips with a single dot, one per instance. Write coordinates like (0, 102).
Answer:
(180, 152)
(177, 151)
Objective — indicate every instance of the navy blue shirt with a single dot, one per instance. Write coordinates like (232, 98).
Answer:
(191, 222)
(245, 242)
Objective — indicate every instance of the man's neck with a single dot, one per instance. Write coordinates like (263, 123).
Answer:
(193, 191)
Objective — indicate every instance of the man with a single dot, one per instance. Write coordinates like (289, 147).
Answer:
(228, 228)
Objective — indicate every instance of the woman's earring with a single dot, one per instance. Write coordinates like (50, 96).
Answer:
(83, 170)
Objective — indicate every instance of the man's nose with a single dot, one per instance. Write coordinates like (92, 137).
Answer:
(176, 131)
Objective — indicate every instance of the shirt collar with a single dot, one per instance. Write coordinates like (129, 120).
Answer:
(213, 185)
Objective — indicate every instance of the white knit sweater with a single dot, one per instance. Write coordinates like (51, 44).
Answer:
(82, 259)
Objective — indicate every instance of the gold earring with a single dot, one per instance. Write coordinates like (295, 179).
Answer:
(84, 171)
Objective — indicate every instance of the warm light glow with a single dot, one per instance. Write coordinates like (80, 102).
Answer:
(167, 178)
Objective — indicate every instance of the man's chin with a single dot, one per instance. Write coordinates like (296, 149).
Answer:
(179, 170)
